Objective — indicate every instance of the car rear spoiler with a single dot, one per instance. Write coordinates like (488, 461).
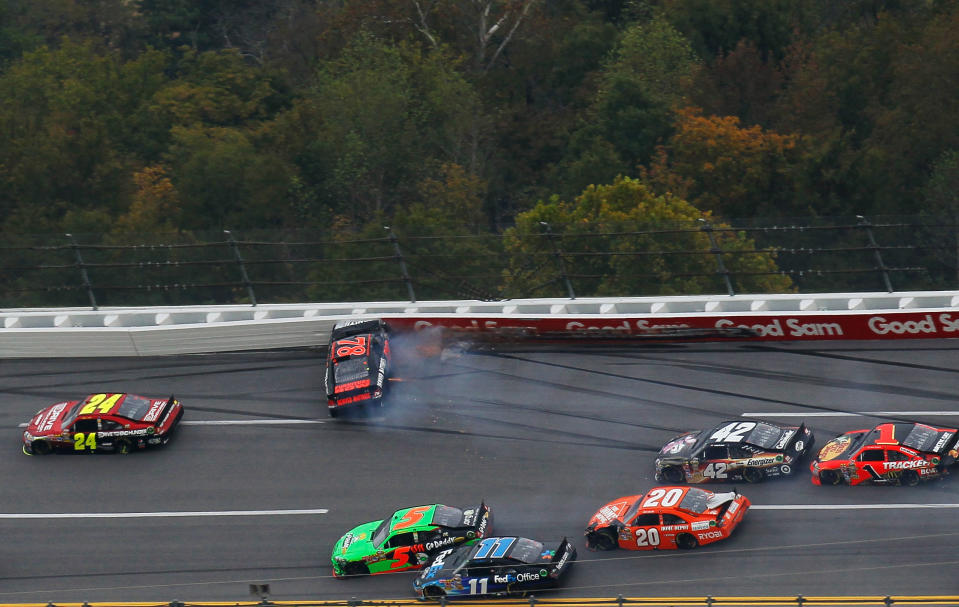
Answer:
(950, 450)
(164, 412)
(564, 546)
(800, 432)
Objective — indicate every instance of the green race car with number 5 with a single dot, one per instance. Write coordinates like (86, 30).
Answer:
(104, 422)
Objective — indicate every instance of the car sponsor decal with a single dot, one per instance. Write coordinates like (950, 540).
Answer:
(353, 346)
(710, 535)
(351, 399)
(46, 423)
(100, 403)
(353, 385)
(610, 512)
(784, 440)
(154, 411)
(468, 516)
(834, 448)
(700, 525)
(764, 461)
(481, 530)
(942, 441)
(905, 465)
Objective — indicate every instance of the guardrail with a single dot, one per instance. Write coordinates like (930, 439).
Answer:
(82, 332)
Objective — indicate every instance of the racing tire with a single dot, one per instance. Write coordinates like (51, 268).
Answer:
(41, 447)
(602, 540)
(673, 474)
(909, 478)
(334, 413)
(123, 446)
(432, 593)
(354, 569)
(754, 475)
(828, 477)
(686, 542)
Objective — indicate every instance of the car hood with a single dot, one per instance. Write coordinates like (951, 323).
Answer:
(680, 447)
(47, 420)
(614, 511)
(357, 542)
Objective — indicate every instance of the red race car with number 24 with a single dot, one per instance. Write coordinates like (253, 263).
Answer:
(113, 423)
(666, 518)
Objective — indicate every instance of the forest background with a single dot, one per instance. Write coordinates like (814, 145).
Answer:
(472, 124)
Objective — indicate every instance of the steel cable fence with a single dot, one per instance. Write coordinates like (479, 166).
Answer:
(233, 267)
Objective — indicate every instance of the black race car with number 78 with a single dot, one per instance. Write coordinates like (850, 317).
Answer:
(734, 450)
(357, 365)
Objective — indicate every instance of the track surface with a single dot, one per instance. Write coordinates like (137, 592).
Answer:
(545, 436)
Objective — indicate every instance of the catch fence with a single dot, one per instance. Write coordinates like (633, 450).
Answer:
(230, 267)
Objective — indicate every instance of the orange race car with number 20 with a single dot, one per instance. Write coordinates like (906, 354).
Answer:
(666, 518)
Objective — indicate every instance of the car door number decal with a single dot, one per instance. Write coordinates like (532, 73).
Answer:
(647, 537)
(101, 403)
(351, 347)
(732, 433)
(715, 470)
(661, 497)
(478, 586)
(83, 441)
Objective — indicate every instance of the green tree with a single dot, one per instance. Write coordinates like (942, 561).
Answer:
(622, 239)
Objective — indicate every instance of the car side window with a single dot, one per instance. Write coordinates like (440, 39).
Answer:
(400, 539)
(646, 520)
(716, 452)
(895, 456)
(483, 571)
(672, 519)
(107, 425)
(871, 455)
(85, 425)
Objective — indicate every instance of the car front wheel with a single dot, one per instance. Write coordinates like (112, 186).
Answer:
(40, 447)
(123, 446)
(601, 540)
(673, 474)
(828, 477)
(433, 593)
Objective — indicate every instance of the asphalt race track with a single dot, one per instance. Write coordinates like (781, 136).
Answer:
(545, 436)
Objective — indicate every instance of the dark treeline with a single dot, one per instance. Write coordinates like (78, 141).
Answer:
(135, 119)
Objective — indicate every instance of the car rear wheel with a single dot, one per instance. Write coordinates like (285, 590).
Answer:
(334, 412)
(828, 477)
(686, 542)
(123, 446)
(602, 540)
(433, 593)
(753, 475)
(40, 447)
(673, 474)
(909, 478)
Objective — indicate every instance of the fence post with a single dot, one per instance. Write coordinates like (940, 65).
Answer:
(239, 262)
(715, 250)
(399, 257)
(559, 259)
(83, 271)
(864, 224)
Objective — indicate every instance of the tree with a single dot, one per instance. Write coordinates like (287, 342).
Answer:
(941, 209)
(730, 170)
(622, 239)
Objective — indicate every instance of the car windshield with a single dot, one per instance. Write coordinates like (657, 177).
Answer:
(526, 550)
(921, 438)
(134, 407)
(350, 370)
(695, 500)
(70, 415)
(764, 435)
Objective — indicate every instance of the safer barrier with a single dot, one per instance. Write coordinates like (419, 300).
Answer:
(179, 330)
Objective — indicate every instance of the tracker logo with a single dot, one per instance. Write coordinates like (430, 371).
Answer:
(795, 327)
(880, 326)
(908, 465)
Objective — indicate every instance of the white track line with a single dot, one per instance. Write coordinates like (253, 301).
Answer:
(162, 514)
(849, 414)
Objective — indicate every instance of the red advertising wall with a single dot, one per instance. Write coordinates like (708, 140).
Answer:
(770, 326)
